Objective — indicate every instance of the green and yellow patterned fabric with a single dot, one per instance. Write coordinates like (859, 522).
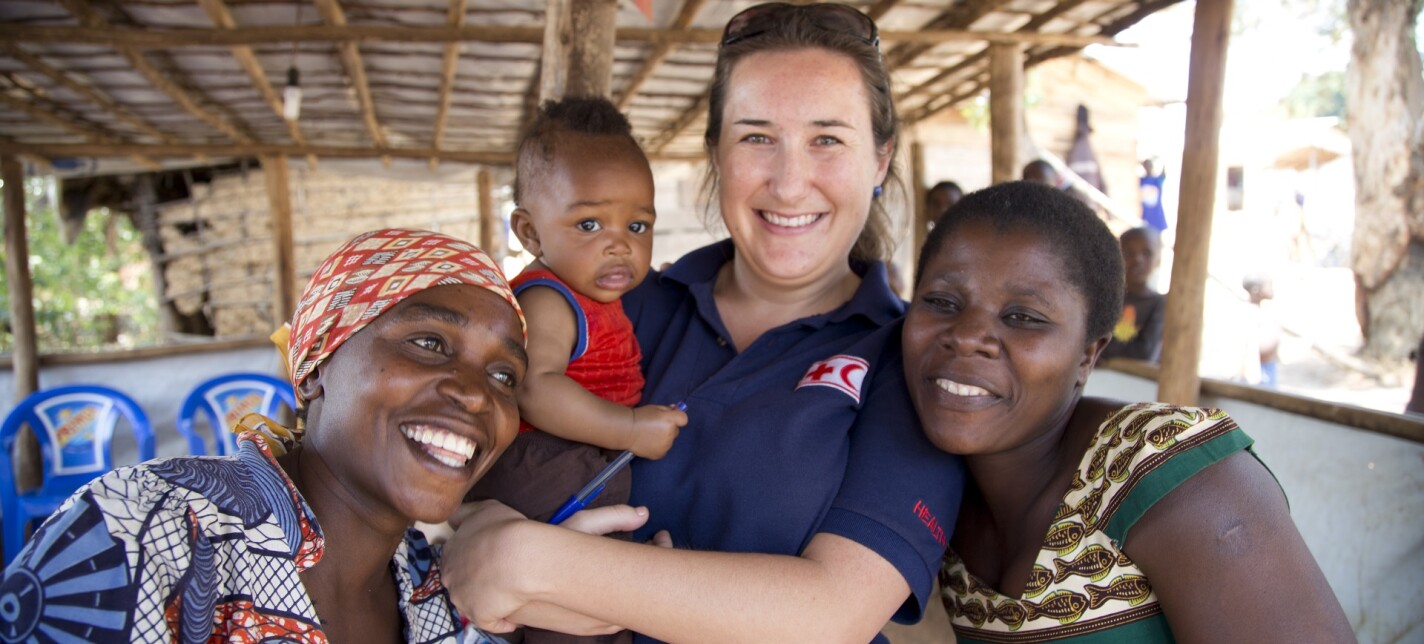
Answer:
(1083, 588)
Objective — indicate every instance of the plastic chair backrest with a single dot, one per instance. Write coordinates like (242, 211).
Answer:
(224, 400)
(74, 425)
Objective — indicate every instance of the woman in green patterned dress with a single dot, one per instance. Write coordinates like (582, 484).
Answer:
(1086, 518)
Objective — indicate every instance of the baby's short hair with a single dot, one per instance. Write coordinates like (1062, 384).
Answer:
(586, 115)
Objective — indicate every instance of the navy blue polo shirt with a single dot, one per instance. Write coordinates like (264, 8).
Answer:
(810, 429)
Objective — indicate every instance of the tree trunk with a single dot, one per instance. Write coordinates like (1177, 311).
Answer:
(1385, 94)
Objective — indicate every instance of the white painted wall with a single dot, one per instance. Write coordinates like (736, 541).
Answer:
(1357, 497)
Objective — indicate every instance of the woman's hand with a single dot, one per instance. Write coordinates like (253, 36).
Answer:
(479, 566)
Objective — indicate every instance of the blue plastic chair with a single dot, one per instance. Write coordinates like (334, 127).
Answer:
(75, 427)
(224, 400)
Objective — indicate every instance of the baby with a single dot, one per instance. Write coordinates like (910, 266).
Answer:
(584, 196)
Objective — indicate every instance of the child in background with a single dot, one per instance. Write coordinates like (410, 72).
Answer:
(1138, 333)
(1260, 288)
(584, 196)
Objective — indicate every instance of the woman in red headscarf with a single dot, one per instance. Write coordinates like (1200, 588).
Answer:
(406, 348)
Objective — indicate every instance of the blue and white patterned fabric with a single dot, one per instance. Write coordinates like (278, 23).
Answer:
(196, 549)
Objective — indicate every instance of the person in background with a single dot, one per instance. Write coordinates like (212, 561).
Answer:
(305, 534)
(940, 197)
(1043, 172)
(1150, 184)
(803, 501)
(1138, 333)
(1267, 331)
(1087, 518)
(1416, 397)
(584, 197)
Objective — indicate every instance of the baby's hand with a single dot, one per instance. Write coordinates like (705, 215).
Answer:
(654, 428)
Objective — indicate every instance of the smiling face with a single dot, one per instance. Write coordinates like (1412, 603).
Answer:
(797, 163)
(591, 220)
(410, 411)
(1141, 254)
(995, 341)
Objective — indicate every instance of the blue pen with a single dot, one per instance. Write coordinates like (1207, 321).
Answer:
(588, 493)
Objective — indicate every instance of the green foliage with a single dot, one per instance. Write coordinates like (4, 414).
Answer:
(94, 294)
(1316, 95)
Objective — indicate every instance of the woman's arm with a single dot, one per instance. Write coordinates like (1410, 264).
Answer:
(1229, 565)
(837, 590)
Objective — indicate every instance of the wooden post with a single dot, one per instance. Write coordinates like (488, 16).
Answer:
(1178, 381)
(1006, 109)
(489, 221)
(578, 48)
(558, 34)
(25, 354)
(920, 214)
(17, 268)
(591, 57)
(284, 266)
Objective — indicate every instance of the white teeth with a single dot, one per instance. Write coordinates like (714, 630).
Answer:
(789, 222)
(960, 389)
(450, 448)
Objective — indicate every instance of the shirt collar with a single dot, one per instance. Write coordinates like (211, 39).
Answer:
(872, 300)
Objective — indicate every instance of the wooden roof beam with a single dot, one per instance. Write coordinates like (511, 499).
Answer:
(355, 70)
(681, 123)
(43, 110)
(959, 16)
(217, 11)
(660, 52)
(92, 20)
(1031, 26)
(120, 149)
(935, 107)
(94, 95)
(448, 66)
(879, 9)
(139, 39)
(1109, 30)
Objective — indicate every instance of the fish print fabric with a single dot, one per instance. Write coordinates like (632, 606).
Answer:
(196, 550)
(1082, 584)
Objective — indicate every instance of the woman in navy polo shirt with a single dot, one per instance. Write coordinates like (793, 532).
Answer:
(802, 500)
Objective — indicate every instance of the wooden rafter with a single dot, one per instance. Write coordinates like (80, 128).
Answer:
(689, 11)
(92, 20)
(93, 94)
(879, 9)
(267, 149)
(167, 38)
(685, 119)
(217, 11)
(1031, 26)
(959, 16)
(1109, 30)
(355, 70)
(448, 65)
(935, 107)
(41, 109)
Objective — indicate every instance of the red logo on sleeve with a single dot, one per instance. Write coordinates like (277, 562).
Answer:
(842, 372)
(922, 512)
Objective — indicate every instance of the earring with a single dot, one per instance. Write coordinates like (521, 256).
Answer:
(877, 192)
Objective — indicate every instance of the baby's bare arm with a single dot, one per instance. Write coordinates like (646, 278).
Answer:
(553, 402)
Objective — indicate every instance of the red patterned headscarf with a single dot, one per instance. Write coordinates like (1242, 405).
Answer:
(372, 273)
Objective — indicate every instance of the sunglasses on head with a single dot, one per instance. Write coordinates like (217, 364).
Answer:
(832, 17)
